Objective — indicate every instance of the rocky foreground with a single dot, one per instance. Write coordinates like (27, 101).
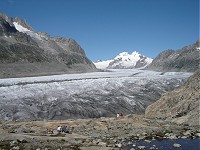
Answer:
(91, 134)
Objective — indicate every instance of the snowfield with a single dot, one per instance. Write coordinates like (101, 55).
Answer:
(84, 95)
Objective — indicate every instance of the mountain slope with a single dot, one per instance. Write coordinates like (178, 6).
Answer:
(124, 61)
(24, 52)
(185, 59)
(181, 105)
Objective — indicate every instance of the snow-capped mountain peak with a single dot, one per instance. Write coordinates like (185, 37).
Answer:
(135, 53)
(125, 60)
(126, 56)
(123, 54)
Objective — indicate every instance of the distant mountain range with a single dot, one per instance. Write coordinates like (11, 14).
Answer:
(125, 61)
(25, 52)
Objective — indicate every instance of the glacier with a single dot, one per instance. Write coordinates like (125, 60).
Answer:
(84, 95)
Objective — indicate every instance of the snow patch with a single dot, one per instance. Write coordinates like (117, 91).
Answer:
(20, 28)
(102, 64)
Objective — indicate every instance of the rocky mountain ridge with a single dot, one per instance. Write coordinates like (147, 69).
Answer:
(125, 61)
(25, 52)
(184, 59)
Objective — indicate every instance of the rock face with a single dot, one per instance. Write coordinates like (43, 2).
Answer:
(125, 61)
(185, 59)
(181, 105)
(24, 52)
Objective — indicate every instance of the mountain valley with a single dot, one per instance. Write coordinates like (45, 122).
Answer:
(46, 82)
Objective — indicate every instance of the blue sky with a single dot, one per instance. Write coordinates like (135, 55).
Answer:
(104, 28)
